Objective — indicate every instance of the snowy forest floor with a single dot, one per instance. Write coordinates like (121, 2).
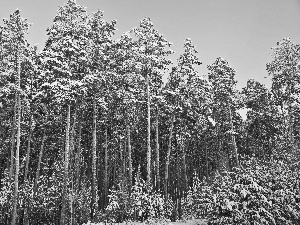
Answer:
(190, 222)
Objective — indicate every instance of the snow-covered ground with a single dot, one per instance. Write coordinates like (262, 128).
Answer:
(190, 222)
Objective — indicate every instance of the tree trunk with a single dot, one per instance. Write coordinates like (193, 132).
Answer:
(71, 203)
(125, 163)
(78, 156)
(223, 160)
(234, 148)
(72, 162)
(114, 172)
(182, 146)
(121, 155)
(129, 152)
(291, 125)
(124, 160)
(10, 164)
(100, 176)
(168, 156)
(37, 175)
(206, 160)
(148, 132)
(27, 209)
(178, 183)
(28, 149)
(25, 220)
(13, 136)
(94, 161)
(72, 143)
(16, 192)
(89, 168)
(66, 168)
(105, 167)
(284, 123)
(157, 151)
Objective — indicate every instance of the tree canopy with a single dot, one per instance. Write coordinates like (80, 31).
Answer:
(91, 131)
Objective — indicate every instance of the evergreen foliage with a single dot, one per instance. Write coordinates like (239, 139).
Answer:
(89, 131)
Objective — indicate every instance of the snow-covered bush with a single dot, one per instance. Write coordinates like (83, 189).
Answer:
(43, 205)
(142, 203)
(258, 193)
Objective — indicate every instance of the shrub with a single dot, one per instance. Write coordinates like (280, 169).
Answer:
(262, 193)
(6, 193)
(45, 204)
(142, 203)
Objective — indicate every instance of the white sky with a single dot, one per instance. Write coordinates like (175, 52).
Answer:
(240, 31)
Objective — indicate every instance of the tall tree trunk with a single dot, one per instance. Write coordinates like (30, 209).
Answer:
(13, 141)
(124, 160)
(291, 125)
(129, 152)
(223, 160)
(78, 156)
(72, 162)
(121, 155)
(168, 156)
(16, 192)
(72, 155)
(89, 168)
(94, 161)
(100, 176)
(206, 159)
(25, 220)
(71, 203)
(125, 163)
(10, 164)
(157, 150)
(28, 148)
(114, 172)
(284, 124)
(105, 167)
(223, 163)
(182, 146)
(66, 168)
(148, 131)
(178, 184)
(37, 175)
(234, 148)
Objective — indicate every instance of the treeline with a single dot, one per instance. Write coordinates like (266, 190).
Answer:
(89, 118)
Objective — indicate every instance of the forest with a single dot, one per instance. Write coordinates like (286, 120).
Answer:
(90, 131)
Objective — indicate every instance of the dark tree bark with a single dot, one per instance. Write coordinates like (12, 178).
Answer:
(168, 156)
(16, 191)
(26, 220)
(94, 160)
(157, 149)
(72, 161)
(10, 164)
(234, 147)
(13, 141)
(37, 175)
(183, 150)
(78, 155)
(129, 152)
(148, 131)
(291, 125)
(28, 149)
(66, 168)
(206, 160)
(105, 167)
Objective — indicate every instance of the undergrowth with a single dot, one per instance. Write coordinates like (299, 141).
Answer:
(257, 193)
(141, 203)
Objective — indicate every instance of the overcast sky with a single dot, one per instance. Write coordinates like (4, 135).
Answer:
(240, 31)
